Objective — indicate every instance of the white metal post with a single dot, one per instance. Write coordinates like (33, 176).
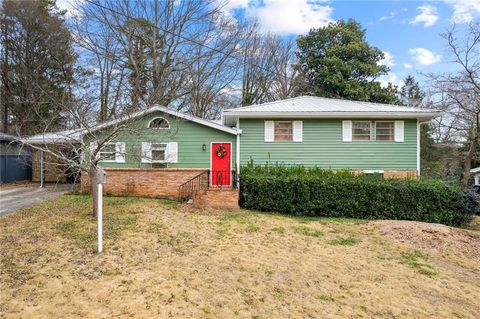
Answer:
(41, 169)
(100, 217)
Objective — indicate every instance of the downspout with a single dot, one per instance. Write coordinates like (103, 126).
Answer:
(238, 151)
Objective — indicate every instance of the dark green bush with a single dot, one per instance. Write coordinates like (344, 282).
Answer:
(315, 192)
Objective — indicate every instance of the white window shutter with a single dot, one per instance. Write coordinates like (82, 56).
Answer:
(93, 147)
(269, 131)
(172, 152)
(120, 152)
(399, 131)
(146, 152)
(347, 131)
(298, 131)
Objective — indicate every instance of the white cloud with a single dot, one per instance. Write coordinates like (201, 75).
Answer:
(285, 16)
(428, 16)
(389, 16)
(464, 10)
(407, 65)
(71, 6)
(391, 77)
(388, 60)
(424, 57)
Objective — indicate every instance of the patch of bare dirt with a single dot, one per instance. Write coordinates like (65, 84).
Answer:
(435, 238)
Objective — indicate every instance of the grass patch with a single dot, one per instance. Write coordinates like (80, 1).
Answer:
(326, 298)
(160, 260)
(307, 231)
(235, 217)
(241, 219)
(279, 229)
(344, 241)
(413, 259)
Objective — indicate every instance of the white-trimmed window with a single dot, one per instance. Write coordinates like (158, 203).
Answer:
(107, 153)
(385, 131)
(361, 130)
(159, 123)
(110, 152)
(159, 152)
(283, 131)
(165, 152)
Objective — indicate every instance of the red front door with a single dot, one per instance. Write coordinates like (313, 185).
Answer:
(221, 159)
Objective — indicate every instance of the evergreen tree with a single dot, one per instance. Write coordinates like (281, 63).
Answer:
(37, 65)
(337, 61)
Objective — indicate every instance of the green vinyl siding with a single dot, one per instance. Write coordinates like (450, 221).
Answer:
(189, 135)
(323, 147)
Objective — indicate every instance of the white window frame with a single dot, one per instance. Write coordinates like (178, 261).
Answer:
(159, 128)
(171, 152)
(393, 135)
(274, 135)
(102, 151)
(165, 155)
(353, 129)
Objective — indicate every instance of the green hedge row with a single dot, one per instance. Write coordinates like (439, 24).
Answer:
(315, 192)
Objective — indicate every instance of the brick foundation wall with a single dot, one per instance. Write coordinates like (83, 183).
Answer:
(399, 174)
(156, 182)
(218, 198)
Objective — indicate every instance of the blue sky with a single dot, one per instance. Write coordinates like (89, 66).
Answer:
(408, 31)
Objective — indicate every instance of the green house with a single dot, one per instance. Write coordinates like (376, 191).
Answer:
(161, 152)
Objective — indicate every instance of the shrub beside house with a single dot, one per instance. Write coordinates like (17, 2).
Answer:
(315, 192)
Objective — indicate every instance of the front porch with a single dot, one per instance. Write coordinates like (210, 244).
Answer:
(201, 187)
(216, 189)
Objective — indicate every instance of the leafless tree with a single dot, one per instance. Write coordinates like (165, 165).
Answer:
(285, 83)
(101, 54)
(215, 68)
(460, 92)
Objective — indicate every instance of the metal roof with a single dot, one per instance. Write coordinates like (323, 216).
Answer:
(75, 136)
(61, 137)
(7, 137)
(313, 106)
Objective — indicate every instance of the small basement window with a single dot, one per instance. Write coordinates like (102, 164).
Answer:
(361, 130)
(283, 131)
(377, 174)
(159, 123)
(159, 152)
(384, 131)
(107, 153)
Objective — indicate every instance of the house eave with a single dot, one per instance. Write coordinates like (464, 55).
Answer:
(230, 117)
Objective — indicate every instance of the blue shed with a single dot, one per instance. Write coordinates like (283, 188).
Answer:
(15, 160)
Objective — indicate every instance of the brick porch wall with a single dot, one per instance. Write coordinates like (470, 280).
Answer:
(153, 182)
(218, 198)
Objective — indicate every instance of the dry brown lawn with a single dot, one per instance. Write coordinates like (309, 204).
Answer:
(162, 260)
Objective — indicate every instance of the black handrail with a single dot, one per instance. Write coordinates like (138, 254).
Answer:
(190, 188)
(204, 180)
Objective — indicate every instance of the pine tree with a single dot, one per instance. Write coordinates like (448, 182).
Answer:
(37, 65)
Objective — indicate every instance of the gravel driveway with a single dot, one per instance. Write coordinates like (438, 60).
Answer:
(14, 197)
